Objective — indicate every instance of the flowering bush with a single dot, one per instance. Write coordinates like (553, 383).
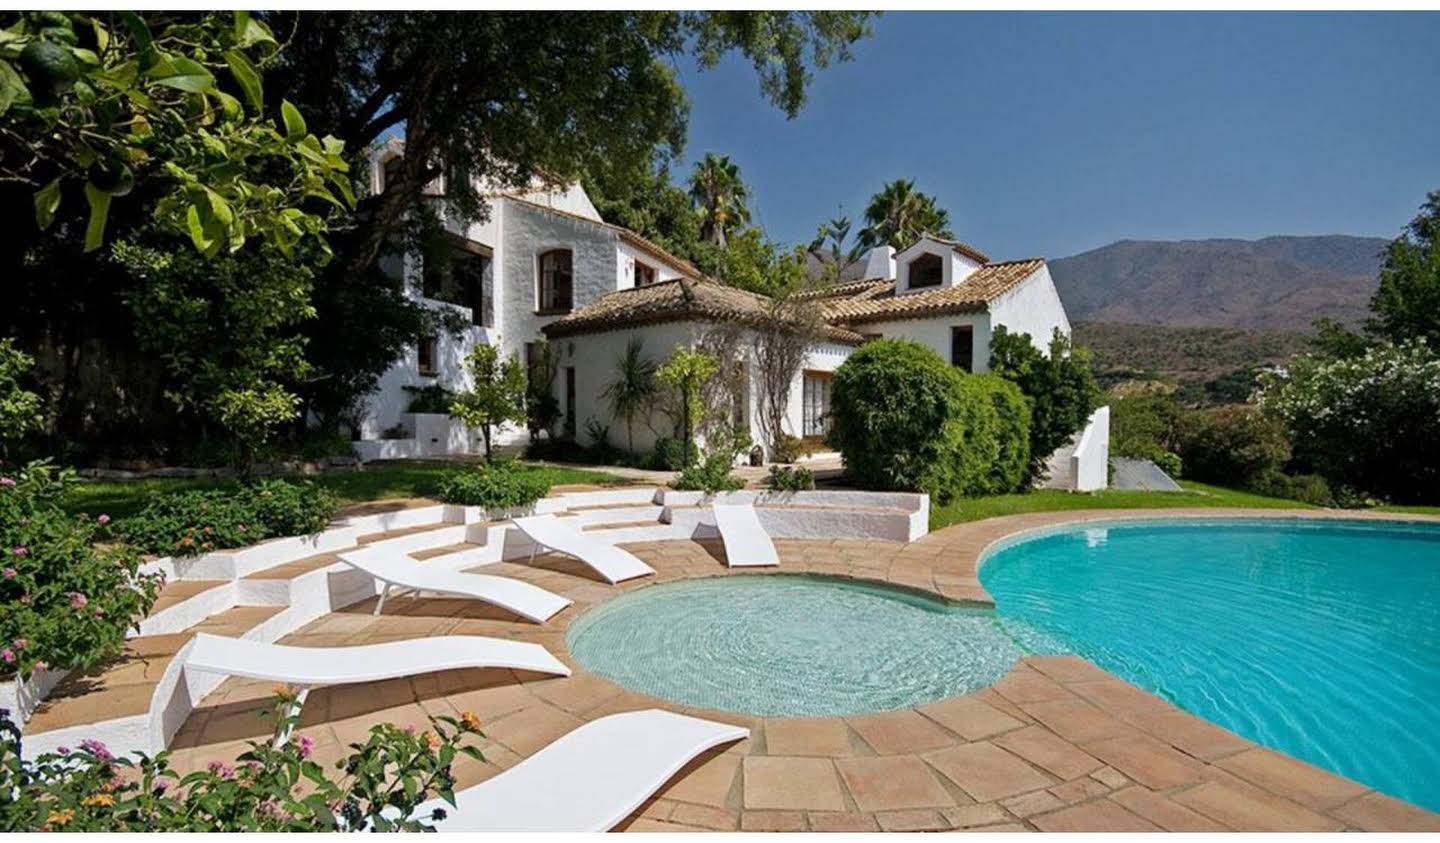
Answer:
(194, 523)
(502, 485)
(268, 788)
(64, 600)
(791, 478)
(1371, 421)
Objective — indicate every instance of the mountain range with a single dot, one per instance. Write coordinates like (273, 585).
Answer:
(1276, 283)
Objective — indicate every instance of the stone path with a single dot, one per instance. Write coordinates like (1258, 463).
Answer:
(1056, 745)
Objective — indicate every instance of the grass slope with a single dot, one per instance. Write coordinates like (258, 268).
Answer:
(379, 480)
(1048, 500)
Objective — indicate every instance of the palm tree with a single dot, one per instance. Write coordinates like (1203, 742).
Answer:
(719, 195)
(899, 214)
(633, 388)
(829, 247)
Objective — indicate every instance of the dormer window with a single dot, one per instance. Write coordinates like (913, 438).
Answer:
(644, 275)
(557, 285)
(927, 270)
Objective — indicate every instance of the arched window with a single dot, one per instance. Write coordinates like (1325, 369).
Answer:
(927, 271)
(557, 288)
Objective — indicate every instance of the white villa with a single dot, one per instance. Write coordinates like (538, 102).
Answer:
(546, 266)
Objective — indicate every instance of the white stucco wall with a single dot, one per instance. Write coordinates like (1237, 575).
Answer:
(571, 199)
(529, 232)
(594, 358)
(625, 257)
(1033, 308)
(934, 334)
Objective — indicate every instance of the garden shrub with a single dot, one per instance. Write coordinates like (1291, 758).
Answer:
(670, 454)
(65, 601)
(895, 418)
(198, 522)
(501, 485)
(1059, 386)
(291, 509)
(318, 444)
(268, 788)
(1005, 445)
(1307, 488)
(788, 449)
(906, 420)
(1231, 446)
(712, 473)
(1370, 422)
(791, 478)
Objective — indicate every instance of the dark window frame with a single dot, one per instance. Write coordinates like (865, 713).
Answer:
(553, 297)
(425, 358)
(652, 274)
(962, 355)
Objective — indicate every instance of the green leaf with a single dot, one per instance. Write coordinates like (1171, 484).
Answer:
(246, 77)
(144, 43)
(249, 31)
(294, 123)
(11, 86)
(102, 35)
(99, 214)
(181, 73)
(47, 200)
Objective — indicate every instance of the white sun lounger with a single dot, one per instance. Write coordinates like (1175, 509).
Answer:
(746, 542)
(589, 779)
(609, 561)
(400, 572)
(308, 667)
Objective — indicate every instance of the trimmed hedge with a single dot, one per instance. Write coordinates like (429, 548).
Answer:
(905, 420)
(503, 485)
(195, 523)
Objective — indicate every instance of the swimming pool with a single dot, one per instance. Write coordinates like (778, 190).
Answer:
(1317, 638)
(791, 645)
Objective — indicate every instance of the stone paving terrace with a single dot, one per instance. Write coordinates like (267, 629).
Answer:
(1057, 745)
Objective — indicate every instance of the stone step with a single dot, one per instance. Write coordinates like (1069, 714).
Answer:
(176, 592)
(123, 687)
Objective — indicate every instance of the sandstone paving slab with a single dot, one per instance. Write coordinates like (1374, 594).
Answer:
(986, 772)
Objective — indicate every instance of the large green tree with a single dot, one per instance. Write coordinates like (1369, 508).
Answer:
(899, 214)
(511, 97)
(1407, 304)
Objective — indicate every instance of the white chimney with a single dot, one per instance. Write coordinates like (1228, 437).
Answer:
(880, 263)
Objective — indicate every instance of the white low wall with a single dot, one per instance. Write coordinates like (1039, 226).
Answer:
(1090, 464)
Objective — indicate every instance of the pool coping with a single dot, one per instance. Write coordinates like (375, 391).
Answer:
(1057, 744)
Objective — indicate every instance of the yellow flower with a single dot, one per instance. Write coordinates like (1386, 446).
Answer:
(471, 720)
(100, 799)
(60, 817)
(432, 740)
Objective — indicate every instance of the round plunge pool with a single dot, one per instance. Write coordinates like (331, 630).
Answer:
(790, 645)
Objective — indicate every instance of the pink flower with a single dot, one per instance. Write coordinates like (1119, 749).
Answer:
(97, 748)
(103, 520)
(20, 643)
(64, 750)
(161, 785)
(11, 573)
(20, 550)
(42, 665)
(78, 600)
(7, 481)
(224, 771)
(306, 746)
(7, 655)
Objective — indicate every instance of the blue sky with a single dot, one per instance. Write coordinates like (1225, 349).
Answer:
(1050, 134)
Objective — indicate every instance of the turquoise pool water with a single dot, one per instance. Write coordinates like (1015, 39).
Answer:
(1321, 640)
(791, 645)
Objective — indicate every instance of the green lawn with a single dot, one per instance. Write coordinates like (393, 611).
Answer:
(378, 480)
(1195, 494)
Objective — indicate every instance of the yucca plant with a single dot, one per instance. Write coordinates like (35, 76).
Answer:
(634, 387)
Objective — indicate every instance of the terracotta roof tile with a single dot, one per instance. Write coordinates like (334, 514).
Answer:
(880, 304)
(673, 301)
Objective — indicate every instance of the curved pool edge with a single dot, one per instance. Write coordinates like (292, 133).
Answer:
(960, 550)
